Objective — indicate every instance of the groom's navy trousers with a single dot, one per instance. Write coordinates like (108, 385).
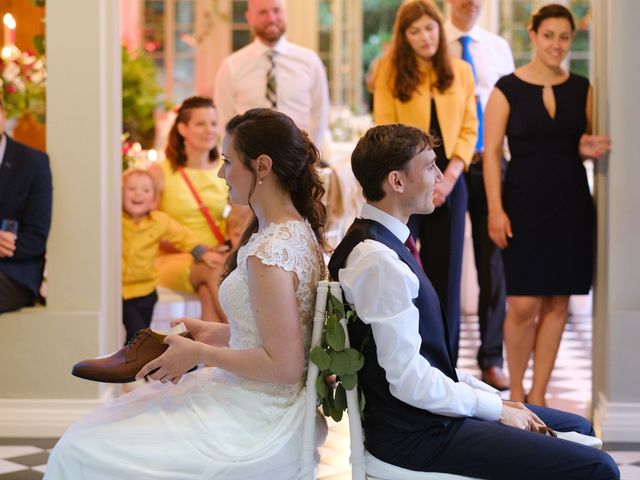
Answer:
(494, 451)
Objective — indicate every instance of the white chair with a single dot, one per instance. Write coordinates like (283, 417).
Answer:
(309, 451)
(364, 466)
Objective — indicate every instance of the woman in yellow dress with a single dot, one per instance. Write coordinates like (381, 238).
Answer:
(192, 151)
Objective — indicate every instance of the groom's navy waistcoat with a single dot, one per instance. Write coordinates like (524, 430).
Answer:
(389, 423)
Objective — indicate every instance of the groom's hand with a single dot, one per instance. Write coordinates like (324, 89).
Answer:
(515, 414)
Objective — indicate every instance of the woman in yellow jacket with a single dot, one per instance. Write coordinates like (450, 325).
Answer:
(418, 84)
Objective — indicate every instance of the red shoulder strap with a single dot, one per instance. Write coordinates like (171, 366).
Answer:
(205, 211)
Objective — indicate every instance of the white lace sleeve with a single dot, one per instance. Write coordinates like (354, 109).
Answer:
(284, 245)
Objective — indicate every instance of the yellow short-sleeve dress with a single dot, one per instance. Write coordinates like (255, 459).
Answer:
(178, 202)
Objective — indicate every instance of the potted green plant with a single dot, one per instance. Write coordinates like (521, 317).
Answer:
(140, 96)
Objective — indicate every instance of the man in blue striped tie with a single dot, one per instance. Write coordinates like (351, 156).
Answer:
(491, 58)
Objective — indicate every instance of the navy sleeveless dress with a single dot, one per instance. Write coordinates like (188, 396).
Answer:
(546, 194)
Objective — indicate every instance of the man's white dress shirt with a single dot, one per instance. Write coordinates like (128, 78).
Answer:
(301, 85)
(492, 57)
(381, 289)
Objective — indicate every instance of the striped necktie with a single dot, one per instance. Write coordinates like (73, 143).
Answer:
(272, 98)
(465, 40)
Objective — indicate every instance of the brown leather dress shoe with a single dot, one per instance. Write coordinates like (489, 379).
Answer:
(495, 377)
(123, 365)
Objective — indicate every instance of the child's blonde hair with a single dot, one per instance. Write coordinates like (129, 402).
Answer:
(139, 171)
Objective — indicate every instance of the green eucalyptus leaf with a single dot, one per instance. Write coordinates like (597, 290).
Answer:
(336, 414)
(340, 399)
(330, 305)
(361, 401)
(337, 308)
(339, 363)
(320, 358)
(327, 406)
(356, 360)
(336, 338)
(349, 381)
(321, 387)
(331, 324)
(39, 43)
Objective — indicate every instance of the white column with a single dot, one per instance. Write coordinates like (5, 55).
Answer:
(38, 396)
(616, 381)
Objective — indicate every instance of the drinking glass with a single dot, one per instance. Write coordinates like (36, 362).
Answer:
(9, 225)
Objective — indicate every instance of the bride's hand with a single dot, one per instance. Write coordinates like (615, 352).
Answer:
(181, 355)
(210, 333)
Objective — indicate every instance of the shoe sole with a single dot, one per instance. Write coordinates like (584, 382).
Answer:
(119, 380)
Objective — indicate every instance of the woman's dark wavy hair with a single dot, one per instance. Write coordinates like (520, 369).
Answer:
(553, 10)
(407, 76)
(262, 131)
(175, 151)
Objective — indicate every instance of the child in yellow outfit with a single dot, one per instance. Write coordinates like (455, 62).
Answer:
(142, 230)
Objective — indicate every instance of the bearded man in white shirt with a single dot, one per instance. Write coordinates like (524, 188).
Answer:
(274, 73)
(420, 412)
(492, 59)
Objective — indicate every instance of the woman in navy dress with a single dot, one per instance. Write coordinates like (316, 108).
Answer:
(544, 218)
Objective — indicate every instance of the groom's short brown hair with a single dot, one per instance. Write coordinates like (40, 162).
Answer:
(383, 149)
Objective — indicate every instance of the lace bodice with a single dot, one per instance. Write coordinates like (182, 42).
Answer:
(291, 246)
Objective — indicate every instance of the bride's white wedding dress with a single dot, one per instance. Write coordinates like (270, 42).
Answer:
(213, 424)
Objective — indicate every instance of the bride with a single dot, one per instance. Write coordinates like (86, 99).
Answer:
(240, 418)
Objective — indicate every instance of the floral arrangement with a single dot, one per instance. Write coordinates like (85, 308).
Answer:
(133, 156)
(23, 84)
(335, 360)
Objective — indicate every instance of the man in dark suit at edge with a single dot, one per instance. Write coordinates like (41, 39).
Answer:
(25, 205)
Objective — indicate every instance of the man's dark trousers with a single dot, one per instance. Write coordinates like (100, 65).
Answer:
(488, 260)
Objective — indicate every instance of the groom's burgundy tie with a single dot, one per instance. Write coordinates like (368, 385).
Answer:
(411, 245)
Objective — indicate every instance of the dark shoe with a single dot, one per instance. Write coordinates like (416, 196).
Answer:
(495, 377)
(123, 365)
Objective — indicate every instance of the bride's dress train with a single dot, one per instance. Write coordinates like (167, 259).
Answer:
(213, 424)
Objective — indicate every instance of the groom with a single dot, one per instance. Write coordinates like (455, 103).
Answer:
(421, 413)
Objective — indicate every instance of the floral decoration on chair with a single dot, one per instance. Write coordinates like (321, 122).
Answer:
(333, 357)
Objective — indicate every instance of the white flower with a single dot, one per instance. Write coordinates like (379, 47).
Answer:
(37, 77)
(11, 72)
(19, 83)
(27, 58)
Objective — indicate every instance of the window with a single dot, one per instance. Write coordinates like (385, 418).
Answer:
(241, 32)
(167, 32)
(340, 48)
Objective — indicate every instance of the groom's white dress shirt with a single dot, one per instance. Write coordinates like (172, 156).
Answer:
(381, 289)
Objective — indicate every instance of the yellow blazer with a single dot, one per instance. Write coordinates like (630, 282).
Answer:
(456, 107)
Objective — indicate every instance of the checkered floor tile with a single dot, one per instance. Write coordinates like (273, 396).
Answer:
(569, 389)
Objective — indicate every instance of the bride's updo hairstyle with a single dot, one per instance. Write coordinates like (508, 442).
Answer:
(263, 131)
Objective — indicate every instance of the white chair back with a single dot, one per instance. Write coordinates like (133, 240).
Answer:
(309, 453)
